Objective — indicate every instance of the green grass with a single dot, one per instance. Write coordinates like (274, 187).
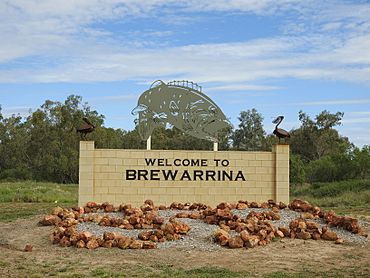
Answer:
(28, 198)
(38, 192)
(343, 194)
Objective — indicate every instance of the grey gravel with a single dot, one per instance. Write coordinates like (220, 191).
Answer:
(200, 235)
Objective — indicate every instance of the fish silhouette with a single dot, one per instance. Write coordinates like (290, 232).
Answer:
(183, 105)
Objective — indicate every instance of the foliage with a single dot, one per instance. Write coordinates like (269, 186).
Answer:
(250, 135)
(351, 193)
(45, 145)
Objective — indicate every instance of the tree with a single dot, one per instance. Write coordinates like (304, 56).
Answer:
(317, 138)
(250, 135)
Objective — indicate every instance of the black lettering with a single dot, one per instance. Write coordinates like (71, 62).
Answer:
(217, 161)
(130, 175)
(167, 163)
(177, 162)
(195, 162)
(142, 173)
(169, 173)
(210, 174)
(225, 162)
(228, 175)
(240, 176)
(186, 175)
(186, 162)
(150, 161)
(198, 174)
(154, 175)
(161, 162)
(203, 162)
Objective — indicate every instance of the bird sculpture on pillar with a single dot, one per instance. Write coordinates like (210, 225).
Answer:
(88, 127)
(279, 132)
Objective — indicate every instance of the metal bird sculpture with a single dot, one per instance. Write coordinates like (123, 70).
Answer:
(86, 128)
(280, 133)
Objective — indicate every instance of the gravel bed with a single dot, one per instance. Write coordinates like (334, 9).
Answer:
(200, 235)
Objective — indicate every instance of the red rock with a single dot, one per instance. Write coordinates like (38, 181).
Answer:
(28, 248)
(50, 220)
(339, 241)
(145, 235)
(262, 234)
(85, 236)
(109, 236)
(91, 205)
(236, 242)
(279, 233)
(107, 244)
(244, 235)
(254, 205)
(275, 210)
(252, 242)
(149, 245)
(329, 235)
(123, 242)
(316, 235)
(307, 215)
(211, 219)
(109, 208)
(241, 206)
(223, 206)
(224, 239)
(149, 202)
(282, 205)
(302, 225)
(136, 244)
(265, 205)
(312, 225)
(92, 244)
(195, 215)
(162, 207)
(182, 215)
(303, 235)
(80, 244)
(225, 227)
(64, 242)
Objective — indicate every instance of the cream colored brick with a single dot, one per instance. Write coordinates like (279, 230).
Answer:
(106, 153)
(101, 176)
(264, 156)
(86, 176)
(87, 154)
(248, 156)
(115, 190)
(262, 170)
(101, 161)
(172, 190)
(255, 163)
(107, 168)
(130, 190)
(255, 191)
(102, 190)
(159, 191)
(235, 155)
(187, 190)
(86, 161)
(130, 162)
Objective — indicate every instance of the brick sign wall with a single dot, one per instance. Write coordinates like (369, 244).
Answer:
(132, 176)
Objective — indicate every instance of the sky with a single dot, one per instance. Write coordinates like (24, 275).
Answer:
(279, 57)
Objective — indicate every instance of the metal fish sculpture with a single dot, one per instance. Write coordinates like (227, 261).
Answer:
(183, 105)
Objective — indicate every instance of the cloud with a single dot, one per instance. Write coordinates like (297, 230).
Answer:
(243, 87)
(115, 98)
(66, 41)
(356, 121)
(334, 102)
(23, 111)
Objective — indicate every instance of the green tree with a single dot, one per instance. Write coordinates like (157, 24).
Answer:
(317, 138)
(250, 135)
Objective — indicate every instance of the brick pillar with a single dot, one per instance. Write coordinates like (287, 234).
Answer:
(281, 172)
(86, 172)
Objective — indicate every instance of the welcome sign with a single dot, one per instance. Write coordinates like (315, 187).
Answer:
(166, 176)
(186, 175)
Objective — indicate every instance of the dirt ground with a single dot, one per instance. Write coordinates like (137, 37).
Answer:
(310, 258)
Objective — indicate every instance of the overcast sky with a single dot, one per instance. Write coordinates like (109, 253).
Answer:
(276, 56)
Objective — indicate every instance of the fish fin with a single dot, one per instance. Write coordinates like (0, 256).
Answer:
(139, 108)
